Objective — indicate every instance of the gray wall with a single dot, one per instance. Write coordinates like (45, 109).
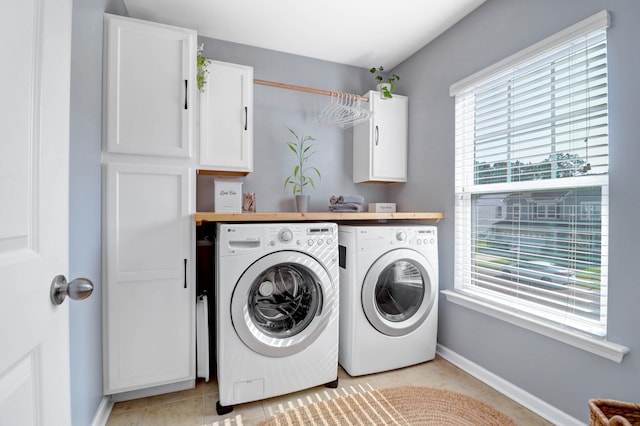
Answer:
(275, 109)
(561, 375)
(85, 318)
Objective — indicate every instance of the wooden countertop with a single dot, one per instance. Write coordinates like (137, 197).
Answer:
(201, 217)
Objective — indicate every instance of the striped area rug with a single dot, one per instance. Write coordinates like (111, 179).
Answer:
(320, 395)
(400, 406)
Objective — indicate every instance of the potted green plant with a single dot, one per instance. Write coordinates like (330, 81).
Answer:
(385, 87)
(303, 173)
(201, 77)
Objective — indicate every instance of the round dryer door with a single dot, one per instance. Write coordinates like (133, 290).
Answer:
(282, 303)
(398, 292)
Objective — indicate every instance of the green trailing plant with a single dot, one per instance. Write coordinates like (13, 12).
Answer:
(391, 80)
(201, 77)
(302, 172)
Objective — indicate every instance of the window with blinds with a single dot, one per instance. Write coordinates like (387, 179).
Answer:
(531, 218)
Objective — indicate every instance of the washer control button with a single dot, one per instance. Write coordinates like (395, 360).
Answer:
(285, 236)
(320, 242)
(310, 242)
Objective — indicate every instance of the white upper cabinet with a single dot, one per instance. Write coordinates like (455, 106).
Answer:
(226, 119)
(380, 144)
(150, 88)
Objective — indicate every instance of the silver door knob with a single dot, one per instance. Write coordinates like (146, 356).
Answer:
(78, 289)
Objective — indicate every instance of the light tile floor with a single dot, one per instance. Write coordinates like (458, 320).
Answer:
(197, 406)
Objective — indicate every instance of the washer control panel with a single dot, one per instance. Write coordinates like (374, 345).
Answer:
(299, 235)
(316, 238)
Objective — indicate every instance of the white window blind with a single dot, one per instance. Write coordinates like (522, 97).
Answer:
(531, 220)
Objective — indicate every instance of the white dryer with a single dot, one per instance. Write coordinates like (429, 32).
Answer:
(388, 296)
(277, 309)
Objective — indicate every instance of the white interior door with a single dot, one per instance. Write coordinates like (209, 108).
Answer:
(35, 41)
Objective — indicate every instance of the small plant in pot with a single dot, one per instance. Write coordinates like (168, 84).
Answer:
(303, 173)
(385, 86)
(202, 64)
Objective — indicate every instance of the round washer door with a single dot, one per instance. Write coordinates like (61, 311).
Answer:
(398, 292)
(282, 303)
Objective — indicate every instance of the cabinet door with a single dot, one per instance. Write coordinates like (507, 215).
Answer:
(389, 148)
(149, 284)
(380, 145)
(226, 119)
(149, 87)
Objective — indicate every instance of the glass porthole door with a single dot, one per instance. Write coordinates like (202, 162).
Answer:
(283, 300)
(282, 303)
(398, 292)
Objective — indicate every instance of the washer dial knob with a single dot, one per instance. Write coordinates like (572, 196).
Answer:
(401, 236)
(285, 236)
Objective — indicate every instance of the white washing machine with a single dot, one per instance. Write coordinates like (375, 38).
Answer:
(388, 296)
(277, 309)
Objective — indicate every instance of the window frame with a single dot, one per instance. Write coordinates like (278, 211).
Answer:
(484, 302)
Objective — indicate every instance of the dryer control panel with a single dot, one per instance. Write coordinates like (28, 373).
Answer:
(425, 236)
(373, 237)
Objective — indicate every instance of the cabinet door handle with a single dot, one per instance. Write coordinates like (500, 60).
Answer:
(186, 91)
(377, 135)
(185, 273)
(246, 117)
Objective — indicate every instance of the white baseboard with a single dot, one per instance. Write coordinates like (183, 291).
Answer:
(533, 403)
(104, 410)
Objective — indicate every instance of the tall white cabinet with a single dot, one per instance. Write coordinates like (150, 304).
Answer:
(148, 195)
(226, 119)
(380, 144)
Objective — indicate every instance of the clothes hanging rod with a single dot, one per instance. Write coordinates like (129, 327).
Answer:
(307, 89)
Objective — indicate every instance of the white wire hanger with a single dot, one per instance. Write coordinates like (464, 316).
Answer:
(343, 111)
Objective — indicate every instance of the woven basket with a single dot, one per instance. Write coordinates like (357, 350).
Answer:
(608, 412)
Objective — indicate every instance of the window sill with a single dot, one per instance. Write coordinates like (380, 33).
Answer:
(603, 348)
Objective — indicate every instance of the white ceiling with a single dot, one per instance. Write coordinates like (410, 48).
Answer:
(363, 33)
